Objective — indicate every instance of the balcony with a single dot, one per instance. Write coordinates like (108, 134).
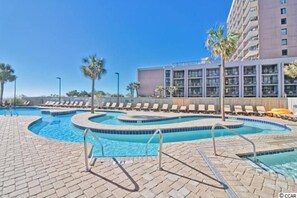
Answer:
(250, 25)
(250, 44)
(251, 53)
(252, 33)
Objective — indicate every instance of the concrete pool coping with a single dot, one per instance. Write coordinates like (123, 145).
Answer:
(83, 121)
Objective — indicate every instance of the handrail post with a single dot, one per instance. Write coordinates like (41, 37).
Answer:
(160, 151)
(86, 146)
(234, 132)
(213, 140)
(160, 146)
(86, 149)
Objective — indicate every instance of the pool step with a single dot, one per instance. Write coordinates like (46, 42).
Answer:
(41, 126)
(218, 175)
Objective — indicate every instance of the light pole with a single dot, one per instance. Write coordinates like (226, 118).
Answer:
(59, 78)
(14, 98)
(118, 99)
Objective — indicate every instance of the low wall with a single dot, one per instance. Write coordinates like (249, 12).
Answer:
(268, 103)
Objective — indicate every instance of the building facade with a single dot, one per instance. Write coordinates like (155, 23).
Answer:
(255, 78)
(268, 28)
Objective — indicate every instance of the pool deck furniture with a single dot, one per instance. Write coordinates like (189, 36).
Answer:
(249, 110)
(106, 106)
(183, 108)
(26, 103)
(201, 108)
(113, 105)
(261, 110)
(74, 104)
(165, 107)
(192, 108)
(137, 107)
(66, 103)
(227, 109)
(155, 107)
(80, 104)
(174, 108)
(128, 106)
(145, 106)
(278, 112)
(87, 105)
(46, 103)
(69, 104)
(238, 110)
(211, 109)
(121, 106)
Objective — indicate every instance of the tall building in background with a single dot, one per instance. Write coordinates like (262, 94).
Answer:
(268, 28)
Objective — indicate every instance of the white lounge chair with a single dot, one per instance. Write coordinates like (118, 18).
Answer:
(137, 107)
(155, 107)
(121, 106)
(227, 109)
(145, 106)
(249, 110)
(128, 106)
(164, 107)
(261, 110)
(106, 106)
(183, 108)
(174, 108)
(211, 108)
(238, 110)
(192, 108)
(113, 105)
(201, 108)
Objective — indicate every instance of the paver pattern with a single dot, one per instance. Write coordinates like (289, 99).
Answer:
(33, 166)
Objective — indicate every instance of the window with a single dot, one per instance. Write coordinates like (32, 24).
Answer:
(283, 11)
(284, 52)
(284, 41)
(284, 21)
(284, 31)
(283, 1)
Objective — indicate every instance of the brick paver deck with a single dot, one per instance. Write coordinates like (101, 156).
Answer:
(32, 166)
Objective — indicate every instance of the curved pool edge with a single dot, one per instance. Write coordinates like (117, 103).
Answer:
(82, 121)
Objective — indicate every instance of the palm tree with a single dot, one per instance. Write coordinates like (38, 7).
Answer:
(136, 86)
(160, 89)
(93, 69)
(223, 46)
(130, 88)
(291, 70)
(6, 75)
(172, 90)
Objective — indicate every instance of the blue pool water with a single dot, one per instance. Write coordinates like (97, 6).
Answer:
(60, 128)
(112, 119)
(284, 163)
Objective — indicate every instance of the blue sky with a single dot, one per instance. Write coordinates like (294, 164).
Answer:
(49, 38)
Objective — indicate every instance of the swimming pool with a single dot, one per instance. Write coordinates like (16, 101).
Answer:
(281, 162)
(112, 118)
(60, 128)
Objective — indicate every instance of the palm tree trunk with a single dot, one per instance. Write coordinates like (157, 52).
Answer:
(92, 96)
(222, 92)
(1, 93)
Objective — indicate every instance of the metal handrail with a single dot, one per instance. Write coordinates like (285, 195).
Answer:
(10, 112)
(158, 131)
(234, 132)
(87, 130)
